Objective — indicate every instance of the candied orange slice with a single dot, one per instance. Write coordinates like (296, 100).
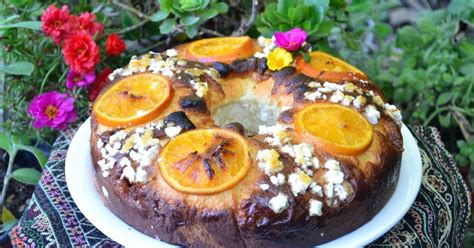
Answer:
(133, 100)
(205, 161)
(326, 67)
(225, 49)
(334, 128)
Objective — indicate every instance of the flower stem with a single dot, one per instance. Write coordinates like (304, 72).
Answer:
(7, 178)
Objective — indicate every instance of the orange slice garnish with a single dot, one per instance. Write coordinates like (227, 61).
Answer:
(334, 128)
(133, 100)
(225, 49)
(326, 67)
(205, 161)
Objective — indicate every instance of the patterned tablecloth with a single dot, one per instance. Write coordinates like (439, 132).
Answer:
(438, 217)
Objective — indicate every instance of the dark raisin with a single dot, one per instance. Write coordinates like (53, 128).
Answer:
(236, 127)
(193, 103)
(222, 68)
(179, 118)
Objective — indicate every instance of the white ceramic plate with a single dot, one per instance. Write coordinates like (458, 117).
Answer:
(81, 184)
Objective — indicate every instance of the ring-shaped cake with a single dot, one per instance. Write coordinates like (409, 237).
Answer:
(206, 150)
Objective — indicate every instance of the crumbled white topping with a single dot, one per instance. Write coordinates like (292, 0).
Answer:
(172, 131)
(171, 53)
(264, 186)
(332, 164)
(299, 182)
(359, 101)
(314, 84)
(334, 178)
(315, 207)
(278, 180)
(124, 162)
(340, 191)
(267, 45)
(105, 173)
(312, 96)
(378, 100)
(117, 137)
(316, 189)
(346, 101)
(303, 155)
(100, 143)
(279, 203)
(334, 86)
(372, 114)
(141, 175)
(201, 88)
(129, 173)
(337, 97)
(393, 112)
(278, 132)
(350, 87)
(268, 161)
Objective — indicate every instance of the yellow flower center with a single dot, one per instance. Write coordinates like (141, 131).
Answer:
(51, 111)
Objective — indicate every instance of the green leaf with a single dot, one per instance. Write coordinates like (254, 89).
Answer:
(207, 14)
(306, 57)
(18, 68)
(467, 69)
(167, 26)
(382, 30)
(5, 143)
(445, 120)
(324, 28)
(193, 5)
(7, 215)
(191, 31)
(188, 20)
(27, 175)
(166, 5)
(359, 5)
(221, 7)
(408, 37)
(35, 25)
(159, 15)
(444, 98)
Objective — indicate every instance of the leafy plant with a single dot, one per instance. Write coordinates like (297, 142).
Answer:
(11, 144)
(427, 68)
(287, 14)
(187, 15)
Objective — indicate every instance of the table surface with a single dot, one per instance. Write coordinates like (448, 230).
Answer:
(437, 218)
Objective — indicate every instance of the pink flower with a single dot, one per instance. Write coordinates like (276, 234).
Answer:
(75, 79)
(54, 22)
(52, 109)
(291, 40)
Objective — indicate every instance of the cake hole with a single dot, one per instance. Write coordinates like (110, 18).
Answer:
(250, 114)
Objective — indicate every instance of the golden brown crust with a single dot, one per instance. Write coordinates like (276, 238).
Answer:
(240, 216)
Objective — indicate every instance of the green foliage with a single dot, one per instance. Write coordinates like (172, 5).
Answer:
(426, 68)
(186, 15)
(286, 14)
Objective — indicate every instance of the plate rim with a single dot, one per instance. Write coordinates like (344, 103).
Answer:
(97, 213)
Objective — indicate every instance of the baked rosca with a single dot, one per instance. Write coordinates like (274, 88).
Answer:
(205, 146)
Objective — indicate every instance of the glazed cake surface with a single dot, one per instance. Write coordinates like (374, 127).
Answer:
(293, 193)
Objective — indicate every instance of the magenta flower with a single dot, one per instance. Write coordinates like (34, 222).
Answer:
(52, 109)
(291, 40)
(74, 78)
